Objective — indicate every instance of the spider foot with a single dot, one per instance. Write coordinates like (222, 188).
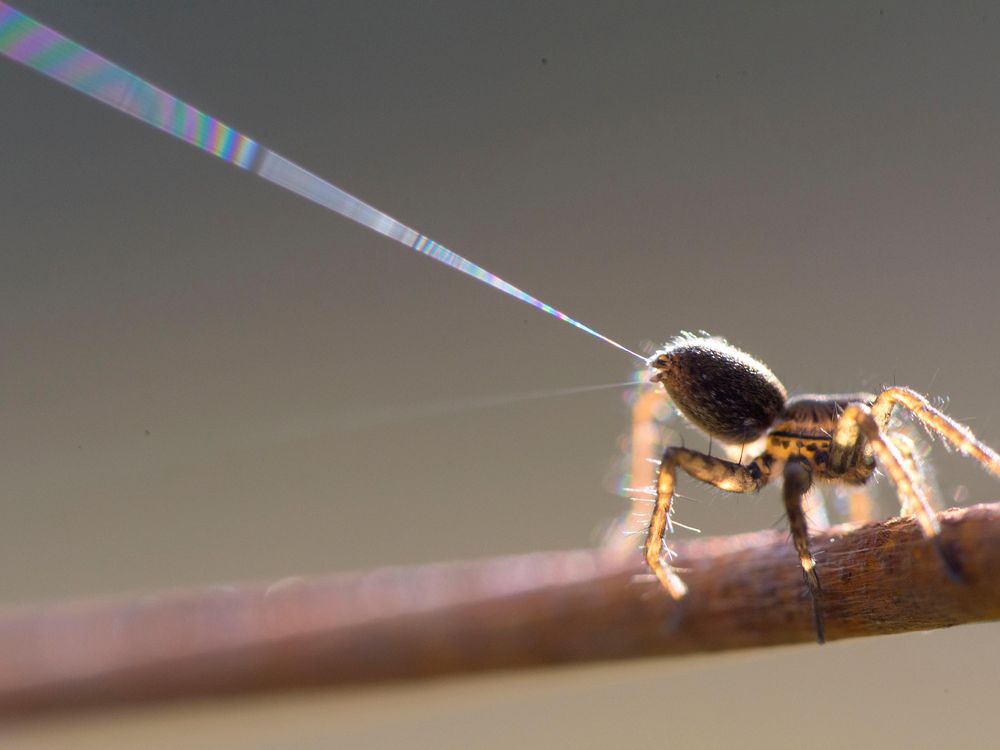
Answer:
(818, 623)
(812, 582)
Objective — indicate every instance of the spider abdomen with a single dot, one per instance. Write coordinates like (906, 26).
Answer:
(721, 390)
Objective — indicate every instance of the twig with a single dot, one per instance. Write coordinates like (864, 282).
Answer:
(539, 609)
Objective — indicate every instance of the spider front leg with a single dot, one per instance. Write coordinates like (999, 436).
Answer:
(958, 435)
(857, 420)
(726, 475)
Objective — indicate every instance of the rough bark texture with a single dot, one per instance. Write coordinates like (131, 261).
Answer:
(529, 610)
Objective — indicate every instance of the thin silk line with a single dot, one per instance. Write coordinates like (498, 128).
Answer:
(27, 41)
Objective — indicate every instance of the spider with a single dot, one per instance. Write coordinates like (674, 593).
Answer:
(736, 399)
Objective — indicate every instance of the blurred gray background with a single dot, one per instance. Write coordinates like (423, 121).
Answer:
(206, 379)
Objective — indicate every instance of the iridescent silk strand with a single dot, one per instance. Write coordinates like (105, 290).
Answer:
(27, 41)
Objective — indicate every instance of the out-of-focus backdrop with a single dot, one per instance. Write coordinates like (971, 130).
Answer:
(205, 379)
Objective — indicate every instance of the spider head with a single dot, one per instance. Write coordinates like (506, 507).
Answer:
(719, 389)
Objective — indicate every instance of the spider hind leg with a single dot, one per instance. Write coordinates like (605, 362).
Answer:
(725, 475)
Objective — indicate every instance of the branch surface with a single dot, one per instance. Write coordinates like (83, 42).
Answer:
(521, 611)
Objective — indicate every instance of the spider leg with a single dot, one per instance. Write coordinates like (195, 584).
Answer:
(726, 475)
(858, 419)
(916, 468)
(815, 507)
(797, 481)
(856, 502)
(960, 436)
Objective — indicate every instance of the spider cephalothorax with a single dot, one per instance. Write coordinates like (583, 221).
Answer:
(736, 399)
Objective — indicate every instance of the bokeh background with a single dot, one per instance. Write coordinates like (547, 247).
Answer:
(206, 379)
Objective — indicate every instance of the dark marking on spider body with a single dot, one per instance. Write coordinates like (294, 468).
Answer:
(804, 432)
(736, 399)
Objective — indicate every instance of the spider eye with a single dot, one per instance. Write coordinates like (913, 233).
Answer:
(720, 389)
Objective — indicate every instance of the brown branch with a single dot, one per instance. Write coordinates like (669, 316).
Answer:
(550, 608)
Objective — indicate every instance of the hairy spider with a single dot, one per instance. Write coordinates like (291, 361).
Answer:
(736, 399)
